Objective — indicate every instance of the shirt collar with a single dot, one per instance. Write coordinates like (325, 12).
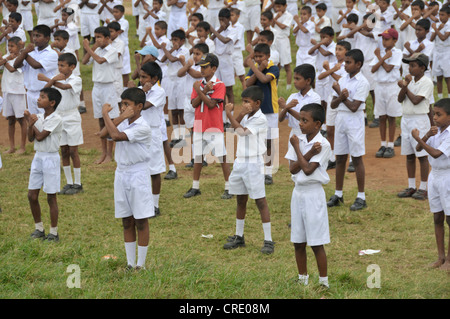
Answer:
(317, 138)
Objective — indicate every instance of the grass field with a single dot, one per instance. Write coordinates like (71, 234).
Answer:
(181, 264)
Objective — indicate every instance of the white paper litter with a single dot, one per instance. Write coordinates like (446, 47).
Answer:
(209, 236)
(368, 252)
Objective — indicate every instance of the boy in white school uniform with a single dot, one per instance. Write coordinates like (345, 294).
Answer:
(37, 57)
(13, 29)
(27, 17)
(119, 45)
(46, 14)
(441, 37)
(177, 17)
(308, 156)
(104, 58)
(119, 16)
(250, 16)
(304, 30)
(89, 17)
(238, 58)
(247, 177)
(349, 98)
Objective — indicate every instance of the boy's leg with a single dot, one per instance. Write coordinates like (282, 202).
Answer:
(143, 240)
(330, 138)
(439, 85)
(287, 68)
(225, 169)
(360, 201)
(382, 128)
(238, 239)
(23, 131)
(229, 94)
(421, 193)
(104, 144)
(337, 198)
(53, 205)
(156, 189)
(77, 186)
(268, 180)
(33, 199)
(176, 128)
(65, 157)
(11, 134)
(439, 232)
(446, 265)
(300, 259)
(129, 236)
(195, 189)
(321, 259)
(263, 208)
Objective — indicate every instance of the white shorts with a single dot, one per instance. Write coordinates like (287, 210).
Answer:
(386, 102)
(408, 123)
(32, 97)
(27, 20)
(250, 17)
(330, 115)
(126, 69)
(134, 10)
(177, 99)
(335, 16)
(157, 161)
(238, 62)
(303, 57)
(292, 8)
(45, 172)
(72, 131)
(209, 142)
(163, 130)
(248, 179)
(283, 46)
(189, 116)
(133, 192)
(272, 123)
(349, 134)
(366, 70)
(324, 88)
(225, 71)
(88, 24)
(439, 191)
(104, 93)
(14, 104)
(441, 67)
(309, 215)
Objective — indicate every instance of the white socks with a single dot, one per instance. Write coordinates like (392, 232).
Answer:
(130, 250)
(227, 186)
(77, 175)
(411, 183)
(361, 195)
(423, 185)
(267, 231)
(172, 168)
(338, 193)
(68, 174)
(196, 184)
(156, 200)
(268, 170)
(240, 227)
(266, 228)
(142, 255)
(39, 226)
(303, 279)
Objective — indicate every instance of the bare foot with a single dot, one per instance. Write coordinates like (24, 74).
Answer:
(10, 151)
(107, 159)
(436, 264)
(21, 151)
(100, 160)
(445, 266)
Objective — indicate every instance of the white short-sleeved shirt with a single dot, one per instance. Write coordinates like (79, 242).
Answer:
(367, 45)
(72, 29)
(209, 43)
(388, 16)
(173, 67)
(46, 10)
(358, 89)
(320, 174)
(48, 58)
(428, 51)
(442, 46)
(12, 82)
(286, 19)
(87, 10)
(157, 98)
(18, 33)
(52, 124)
(440, 141)
(178, 11)
(240, 42)
(70, 99)
(326, 22)
(303, 39)
(252, 145)
(119, 45)
(322, 58)
(162, 16)
(105, 72)
(125, 27)
(137, 149)
(396, 60)
(309, 97)
(226, 48)
(24, 7)
(424, 87)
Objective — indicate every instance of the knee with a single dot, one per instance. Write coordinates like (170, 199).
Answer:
(65, 152)
(127, 223)
(439, 219)
(241, 200)
(410, 158)
(141, 224)
(33, 196)
(73, 152)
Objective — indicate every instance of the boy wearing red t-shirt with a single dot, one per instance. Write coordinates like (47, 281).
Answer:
(207, 99)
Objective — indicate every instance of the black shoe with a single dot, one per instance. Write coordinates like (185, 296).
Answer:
(268, 247)
(268, 180)
(358, 204)
(331, 165)
(51, 237)
(380, 152)
(192, 192)
(173, 142)
(398, 141)
(226, 195)
(37, 234)
(375, 123)
(204, 163)
(157, 212)
(234, 242)
(75, 189)
(179, 143)
(171, 175)
(351, 168)
(82, 109)
(168, 123)
(65, 189)
(335, 201)
(389, 153)
(190, 164)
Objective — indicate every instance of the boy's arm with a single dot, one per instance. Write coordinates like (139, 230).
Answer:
(32, 132)
(286, 108)
(236, 122)
(264, 78)
(23, 55)
(90, 53)
(437, 31)
(302, 164)
(202, 97)
(111, 128)
(422, 142)
(168, 54)
(405, 92)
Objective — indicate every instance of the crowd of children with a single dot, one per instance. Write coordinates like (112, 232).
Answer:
(189, 57)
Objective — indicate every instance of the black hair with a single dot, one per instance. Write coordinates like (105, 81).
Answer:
(204, 25)
(62, 34)
(418, 3)
(136, 95)
(444, 104)
(236, 11)
(445, 8)
(114, 25)
(152, 69)
(224, 13)
(424, 23)
(357, 55)
(253, 92)
(53, 95)
(162, 24)
(280, 2)
(16, 16)
(388, 2)
(316, 110)
(307, 9)
(68, 10)
(268, 14)
(322, 6)
(160, 1)
(120, 7)
(345, 44)
(43, 29)
(103, 31)
(307, 71)
(353, 17)
(328, 31)
(198, 15)
(180, 34)
(262, 48)
(69, 58)
(13, 2)
(203, 47)
(16, 40)
(267, 34)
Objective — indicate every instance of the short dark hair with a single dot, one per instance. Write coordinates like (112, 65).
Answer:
(43, 29)
(120, 7)
(16, 40)
(162, 24)
(328, 31)
(203, 47)
(280, 2)
(236, 11)
(445, 8)
(316, 110)
(159, 1)
(307, 71)
(388, 2)
(13, 2)
(424, 23)
(180, 34)
(204, 25)
(114, 25)
(262, 48)
(267, 34)
(69, 58)
(253, 92)
(16, 16)
(135, 95)
(53, 95)
(444, 104)
(322, 6)
(62, 34)
(352, 17)
(198, 15)
(307, 9)
(224, 13)
(345, 44)
(103, 31)
(152, 69)
(357, 55)
(268, 14)
(418, 3)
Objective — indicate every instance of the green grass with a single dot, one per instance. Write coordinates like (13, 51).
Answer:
(182, 264)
